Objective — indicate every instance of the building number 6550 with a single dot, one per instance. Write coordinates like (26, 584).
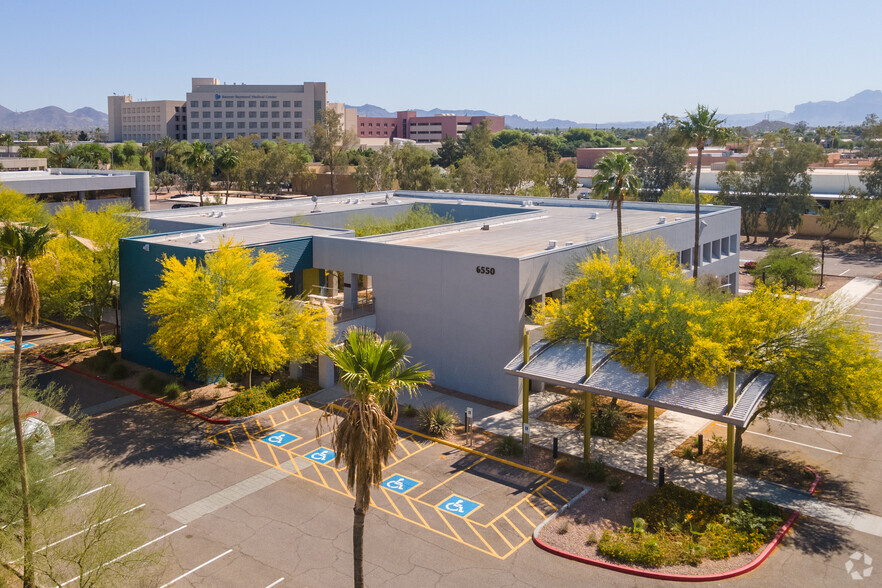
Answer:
(481, 269)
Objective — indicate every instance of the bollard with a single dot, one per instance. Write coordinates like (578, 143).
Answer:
(700, 444)
(554, 448)
(661, 476)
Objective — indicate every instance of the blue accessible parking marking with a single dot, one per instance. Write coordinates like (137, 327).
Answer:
(279, 438)
(5, 340)
(459, 506)
(399, 484)
(320, 455)
(28, 345)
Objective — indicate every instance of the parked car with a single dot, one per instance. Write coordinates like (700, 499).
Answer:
(183, 195)
(184, 205)
(35, 430)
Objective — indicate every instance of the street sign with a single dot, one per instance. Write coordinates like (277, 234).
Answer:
(526, 428)
(279, 438)
(320, 455)
(399, 484)
(469, 411)
(459, 506)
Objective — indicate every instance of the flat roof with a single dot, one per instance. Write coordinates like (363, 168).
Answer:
(523, 227)
(248, 235)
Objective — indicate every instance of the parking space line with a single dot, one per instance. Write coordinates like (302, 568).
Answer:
(536, 508)
(449, 526)
(513, 526)
(542, 496)
(126, 554)
(308, 441)
(480, 536)
(389, 498)
(411, 501)
(501, 536)
(525, 517)
(435, 487)
(556, 492)
(342, 484)
(233, 441)
(808, 427)
(275, 583)
(197, 568)
(272, 420)
(787, 441)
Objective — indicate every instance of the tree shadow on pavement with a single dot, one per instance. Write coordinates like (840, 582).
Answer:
(146, 433)
(816, 537)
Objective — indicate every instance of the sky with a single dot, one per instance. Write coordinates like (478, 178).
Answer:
(586, 61)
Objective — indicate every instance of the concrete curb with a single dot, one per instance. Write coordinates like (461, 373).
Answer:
(764, 554)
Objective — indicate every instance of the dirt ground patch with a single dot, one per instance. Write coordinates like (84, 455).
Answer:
(581, 526)
(635, 414)
(831, 284)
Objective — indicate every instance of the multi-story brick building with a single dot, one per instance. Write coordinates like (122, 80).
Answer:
(422, 129)
(148, 120)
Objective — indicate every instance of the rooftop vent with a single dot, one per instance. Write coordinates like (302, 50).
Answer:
(593, 215)
(661, 220)
(568, 243)
(220, 213)
(459, 201)
(485, 228)
(552, 244)
(199, 238)
(679, 218)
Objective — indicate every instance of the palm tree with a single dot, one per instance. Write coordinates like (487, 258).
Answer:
(616, 180)
(166, 144)
(151, 147)
(695, 130)
(8, 140)
(18, 247)
(199, 160)
(58, 154)
(374, 370)
(226, 161)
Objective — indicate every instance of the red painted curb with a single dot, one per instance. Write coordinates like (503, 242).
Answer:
(764, 554)
(138, 393)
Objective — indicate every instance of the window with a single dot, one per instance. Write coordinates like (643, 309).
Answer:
(275, 135)
(275, 125)
(252, 104)
(286, 125)
(194, 103)
(206, 104)
(686, 257)
(264, 135)
(230, 135)
(274, 104)
(298, 114)
(240, 114)
(240, 125)
(217, 103)
(252, 125)
(286, 104)
(264, 114)
(218, 125)
(177, 127)
(195, 135)
(286, 135)
(217, 114)
(706, 253)
(275, 114)
(263, 103)
(252, 114)
(229, 114)
(205, 125)
(240, 104)
(298, 125)
(264, 125)
(733, 244)
(715, 249)
(230, 124)
(298, 135)
(195, 114)
(298, 104)
(286, 114)
(228, 103)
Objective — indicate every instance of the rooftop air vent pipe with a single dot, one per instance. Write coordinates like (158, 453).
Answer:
(485, 228)
(568, 243)
(661, 220)
(199, 238)
(552, 244)
(593, 215)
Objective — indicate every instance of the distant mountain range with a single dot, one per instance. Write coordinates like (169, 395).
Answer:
(52, 118)
(850, 111)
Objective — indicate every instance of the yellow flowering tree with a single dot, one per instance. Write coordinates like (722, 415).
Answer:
(229, 315)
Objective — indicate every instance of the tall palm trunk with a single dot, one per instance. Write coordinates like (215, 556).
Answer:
(619, 223)
(696, 252)
(362, 500)
(28, 579)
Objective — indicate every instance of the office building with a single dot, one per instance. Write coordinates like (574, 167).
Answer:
(422, 129)
(147, 120)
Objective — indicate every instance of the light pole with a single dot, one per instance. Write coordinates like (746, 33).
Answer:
(764, 273)
(823, 250)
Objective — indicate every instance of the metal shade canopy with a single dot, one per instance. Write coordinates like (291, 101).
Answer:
(562, 363)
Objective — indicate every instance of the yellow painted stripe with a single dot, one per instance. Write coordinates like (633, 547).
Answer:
(233, 441)
(449, 526)
(389, 498)
(481, 537)
(436, 486)
(536, 508)
(501, 536)
(542, 496)
(513, 526)
(411, 502)
(547, 487)
(71, 327)
(272, 420)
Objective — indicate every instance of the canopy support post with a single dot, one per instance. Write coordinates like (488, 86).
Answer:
(650, 425)
(525, 400)
(589, 402)
(730, 444)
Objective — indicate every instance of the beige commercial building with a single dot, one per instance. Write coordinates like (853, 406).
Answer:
(148, 120)
(224, 111)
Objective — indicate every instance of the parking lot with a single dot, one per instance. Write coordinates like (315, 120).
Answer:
(482, 503)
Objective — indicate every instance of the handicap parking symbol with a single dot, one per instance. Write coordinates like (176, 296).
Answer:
(28, 345)
(459, 506)
(279, 438)
(321, 455)
(399, 484)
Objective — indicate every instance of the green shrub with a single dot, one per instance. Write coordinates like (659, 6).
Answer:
(118, 371)
(172, 390)
(152, 383)
(575, 408)
(106, 355)
(510, 447)
(642, 550)
(264, 397)
(593, 471)
(615, 484)
(605, 421)
(100, 362)
(672, 505)
(437, 420)
(222, 382)
(409, 411)
(787, 267)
